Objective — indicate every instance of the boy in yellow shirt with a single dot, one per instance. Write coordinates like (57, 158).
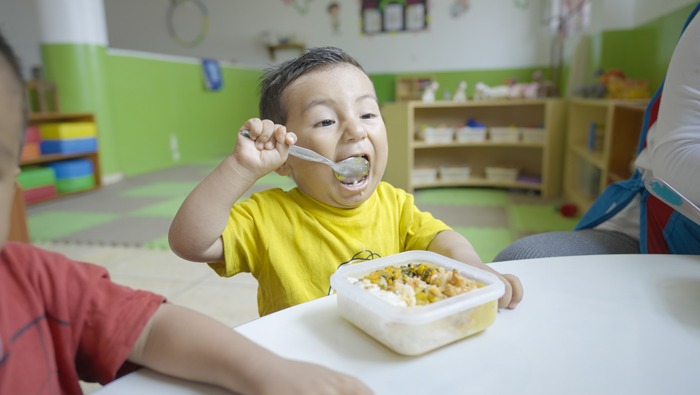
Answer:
(62, 321)
(293, 241)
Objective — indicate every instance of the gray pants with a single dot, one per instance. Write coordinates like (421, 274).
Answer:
(580, 242)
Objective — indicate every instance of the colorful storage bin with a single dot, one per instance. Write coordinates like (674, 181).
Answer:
(38, 183)
(69, 146)
(39, 194)
(30, 151)
(71, 168)
(32, 138)
(68, 130)
(73, 175)
(32, 134)
(36, 176)
(75, 184)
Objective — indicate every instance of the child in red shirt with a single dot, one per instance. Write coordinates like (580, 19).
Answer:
(63, 321)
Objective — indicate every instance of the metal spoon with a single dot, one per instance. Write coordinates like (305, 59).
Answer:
(673, 198)
(354, 168)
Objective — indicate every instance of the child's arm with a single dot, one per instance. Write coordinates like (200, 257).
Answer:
(195, 233)
(184, 343)
(452, 244)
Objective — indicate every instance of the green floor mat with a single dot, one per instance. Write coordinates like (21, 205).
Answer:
(50, 225)
(161, 189)
(487, 242)
(534, 218)
(167, 208)
(462, 196)
(160, 243)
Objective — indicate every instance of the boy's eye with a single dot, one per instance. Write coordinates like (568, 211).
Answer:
(326, 122)
(368, 116)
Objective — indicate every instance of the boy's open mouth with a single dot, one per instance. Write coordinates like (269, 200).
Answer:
(355, 181)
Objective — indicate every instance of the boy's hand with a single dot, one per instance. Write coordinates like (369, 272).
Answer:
(514, 291)
(266, 148)
(302, 378)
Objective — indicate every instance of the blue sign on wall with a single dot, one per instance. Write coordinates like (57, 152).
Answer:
(211, 71)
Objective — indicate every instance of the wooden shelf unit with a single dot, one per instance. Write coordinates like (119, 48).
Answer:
(590, 169)
(40, 118)
(543, 160)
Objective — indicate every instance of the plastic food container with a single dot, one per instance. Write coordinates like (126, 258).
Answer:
(418, 329)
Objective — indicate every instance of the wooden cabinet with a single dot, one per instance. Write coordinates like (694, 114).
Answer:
(42, 118)
(539, 163)
(602, 145)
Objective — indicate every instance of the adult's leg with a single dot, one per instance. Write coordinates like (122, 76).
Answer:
(580, 242)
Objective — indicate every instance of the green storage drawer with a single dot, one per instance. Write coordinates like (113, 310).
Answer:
(35, 177)
(75, 184)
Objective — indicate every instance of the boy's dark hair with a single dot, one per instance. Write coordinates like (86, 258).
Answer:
(276, 79)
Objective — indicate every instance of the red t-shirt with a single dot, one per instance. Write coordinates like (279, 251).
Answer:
(61, 321)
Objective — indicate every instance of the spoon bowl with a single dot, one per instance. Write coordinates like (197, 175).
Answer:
(354, 167)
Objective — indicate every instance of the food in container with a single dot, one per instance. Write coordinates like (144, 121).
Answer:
(435, 321)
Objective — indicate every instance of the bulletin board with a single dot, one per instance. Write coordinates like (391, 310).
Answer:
(389, 16)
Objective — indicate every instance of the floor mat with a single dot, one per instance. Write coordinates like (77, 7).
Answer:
(138, 211)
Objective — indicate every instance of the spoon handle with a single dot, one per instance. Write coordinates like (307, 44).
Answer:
(303, 153)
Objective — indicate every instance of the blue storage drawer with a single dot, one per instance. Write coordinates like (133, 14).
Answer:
(68, 146)
(71, 168)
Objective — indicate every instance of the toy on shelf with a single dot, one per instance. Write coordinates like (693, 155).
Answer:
(483, 91)
(461, 92)
(512, 89)
(613, 84)
(429, 92)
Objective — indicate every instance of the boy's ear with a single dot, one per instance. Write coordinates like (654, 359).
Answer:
(284, 170)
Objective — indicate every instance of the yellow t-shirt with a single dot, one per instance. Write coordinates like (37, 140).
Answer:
(292, 243)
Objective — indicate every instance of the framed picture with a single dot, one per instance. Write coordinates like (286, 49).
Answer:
(389, 16)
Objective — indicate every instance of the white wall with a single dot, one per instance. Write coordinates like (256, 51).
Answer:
(492, 34)
(19, 24)
(648, 10)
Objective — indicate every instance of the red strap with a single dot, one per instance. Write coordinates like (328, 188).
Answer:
(658, 214)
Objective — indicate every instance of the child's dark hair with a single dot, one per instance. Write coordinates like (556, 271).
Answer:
(278, 78)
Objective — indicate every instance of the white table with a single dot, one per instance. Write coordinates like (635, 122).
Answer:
(618, 324)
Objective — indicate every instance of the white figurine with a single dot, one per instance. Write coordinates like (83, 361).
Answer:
(429, 92)
(461, 92)
(483, 91)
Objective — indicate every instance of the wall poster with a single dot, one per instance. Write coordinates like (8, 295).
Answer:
(386, 16)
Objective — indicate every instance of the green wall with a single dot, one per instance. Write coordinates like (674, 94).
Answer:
(153, 99)
(79, 71)
(643, 52)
